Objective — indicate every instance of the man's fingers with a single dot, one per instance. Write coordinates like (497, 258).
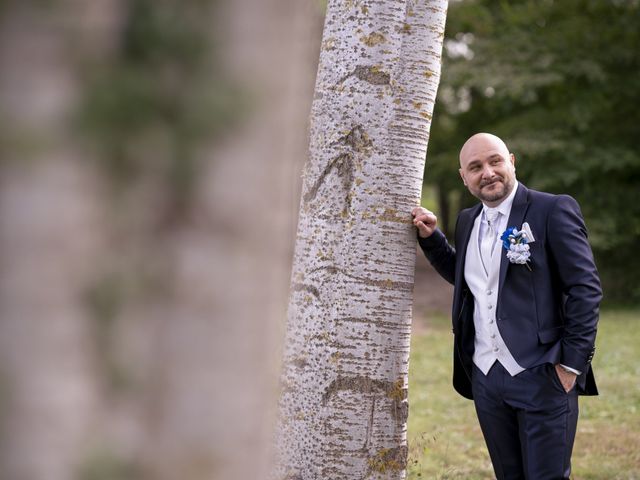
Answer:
(424, 220)
(417, 210)
(427, 218)
(424, 230)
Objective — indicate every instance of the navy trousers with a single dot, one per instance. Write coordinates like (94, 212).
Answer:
(528, 422)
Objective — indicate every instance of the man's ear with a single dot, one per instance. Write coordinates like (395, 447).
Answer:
(512, 157)
(462, 177)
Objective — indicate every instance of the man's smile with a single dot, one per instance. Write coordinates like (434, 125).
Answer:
(491, 184)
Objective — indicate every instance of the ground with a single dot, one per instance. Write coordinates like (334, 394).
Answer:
(431, 294)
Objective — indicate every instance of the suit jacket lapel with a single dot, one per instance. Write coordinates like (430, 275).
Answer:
(516, 218)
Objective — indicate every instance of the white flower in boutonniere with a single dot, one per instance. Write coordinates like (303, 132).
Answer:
(516, 242)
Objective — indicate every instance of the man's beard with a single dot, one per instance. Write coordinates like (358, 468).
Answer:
(507, 185)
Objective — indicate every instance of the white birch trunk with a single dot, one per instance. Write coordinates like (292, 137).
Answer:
(344, 404)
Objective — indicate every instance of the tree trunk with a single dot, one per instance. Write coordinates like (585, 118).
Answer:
(213, 381)
(51, 232)
(129, 348)
(343, 406)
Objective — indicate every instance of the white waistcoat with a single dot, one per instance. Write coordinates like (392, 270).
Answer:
(489, 345)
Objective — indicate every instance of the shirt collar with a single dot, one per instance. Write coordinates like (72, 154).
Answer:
(505, 206)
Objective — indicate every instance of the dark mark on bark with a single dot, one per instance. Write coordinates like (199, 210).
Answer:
(300, 362)
(358, 142)
(331, 269)
(366, 385)
(392, 215)
(293, 476)
(373, 321)
(406, 28)
(303, 287)
(384, 284)
(388, 459)
(372, 75)
(369, 73)
(357, 139)
(390, 285)
(343, 165)
(400, 411)
(369, 425)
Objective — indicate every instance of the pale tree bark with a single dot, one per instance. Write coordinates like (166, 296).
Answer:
(51, 232)
(344, 384)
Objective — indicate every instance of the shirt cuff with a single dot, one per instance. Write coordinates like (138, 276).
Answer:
(569, 369)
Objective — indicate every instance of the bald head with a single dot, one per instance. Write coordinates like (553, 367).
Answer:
(482, 142)
(487, 168)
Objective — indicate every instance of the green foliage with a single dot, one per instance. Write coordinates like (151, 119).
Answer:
(161, 90)
(105, 465)
(558, 81)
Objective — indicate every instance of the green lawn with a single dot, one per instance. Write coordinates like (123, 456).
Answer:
(445, 441)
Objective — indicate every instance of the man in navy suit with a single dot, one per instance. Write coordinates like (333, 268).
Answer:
(525, 311)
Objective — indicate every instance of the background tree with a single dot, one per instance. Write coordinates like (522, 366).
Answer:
(344, 384)
(556, 80)
(149, 164)
(51, 232)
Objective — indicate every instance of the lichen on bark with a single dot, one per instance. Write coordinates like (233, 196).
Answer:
(389, 459)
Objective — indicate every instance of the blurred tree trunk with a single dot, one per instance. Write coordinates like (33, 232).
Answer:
(344, 385)
(212, 375)
(51, 232)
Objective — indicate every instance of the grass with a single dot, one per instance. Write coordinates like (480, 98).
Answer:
(445, 441)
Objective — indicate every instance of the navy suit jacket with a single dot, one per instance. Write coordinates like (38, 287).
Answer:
(548, 314)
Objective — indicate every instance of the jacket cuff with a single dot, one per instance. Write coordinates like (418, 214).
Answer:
(569, 369)
(572, 359)
(436, 239)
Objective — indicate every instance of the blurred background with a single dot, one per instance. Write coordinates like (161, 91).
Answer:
(150, 161)
(559, 82)
(151, 153)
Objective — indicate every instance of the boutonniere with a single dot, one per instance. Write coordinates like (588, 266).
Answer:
(516, 242)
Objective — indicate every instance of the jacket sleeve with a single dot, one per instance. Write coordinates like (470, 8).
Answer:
(573, 262)
(440, 254)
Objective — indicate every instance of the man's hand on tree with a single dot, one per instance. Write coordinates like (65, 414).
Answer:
(425, 221)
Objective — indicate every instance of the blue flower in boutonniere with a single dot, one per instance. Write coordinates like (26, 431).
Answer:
(516, 242)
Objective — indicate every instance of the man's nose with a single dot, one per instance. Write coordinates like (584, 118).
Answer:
(487, 171)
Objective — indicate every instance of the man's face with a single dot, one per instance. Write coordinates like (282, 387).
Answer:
(487, 169)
